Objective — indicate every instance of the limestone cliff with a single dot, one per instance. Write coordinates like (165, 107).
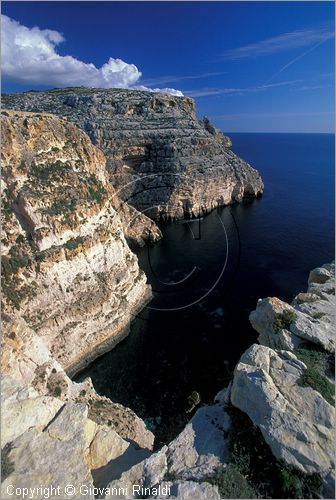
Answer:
(311, 315)
(286, 385)
(161, 159)
(70, 285)
(270, 433)
(67, 268)
(54, 431)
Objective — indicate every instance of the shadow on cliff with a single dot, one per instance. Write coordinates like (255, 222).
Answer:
(114, 468)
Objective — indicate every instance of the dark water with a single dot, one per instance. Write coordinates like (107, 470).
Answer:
(208, 275)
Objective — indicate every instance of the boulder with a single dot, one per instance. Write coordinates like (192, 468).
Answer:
(310, 318)
(263, 320)
(105, 446)
(54, 455)
(148, 473)
(322, 274)
(23, 408)
(201, 447)
(189, 490)
(187, 461)
(296, 422)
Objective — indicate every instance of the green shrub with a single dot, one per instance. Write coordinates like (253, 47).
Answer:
(10, 264)
(60, 207)
(7, 466)
(250, 456)
(32, 243)
(6, 205)
(98, 403)
(44, 173)
(296, 484)
(95, 194)
(20, 239)
(95, 190)
(253, 459)
(11, 294)
(15, 293)
(232, 484)
(284, 320)
(316, 358)
(57, 392)
(74, 243)
(313, 378)
(82, 393)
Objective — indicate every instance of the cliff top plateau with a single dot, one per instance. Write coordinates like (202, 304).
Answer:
(160, 157)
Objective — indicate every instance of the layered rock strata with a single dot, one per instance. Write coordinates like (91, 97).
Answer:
(70, 286)
(161, 159)
(67, 268)
(68, 272)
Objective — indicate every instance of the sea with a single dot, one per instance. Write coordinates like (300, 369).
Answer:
(207, 276)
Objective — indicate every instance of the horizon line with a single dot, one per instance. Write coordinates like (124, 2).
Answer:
(277, 132)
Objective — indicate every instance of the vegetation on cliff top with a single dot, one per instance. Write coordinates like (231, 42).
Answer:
(320, 365)
(257, 470)
(284, 320)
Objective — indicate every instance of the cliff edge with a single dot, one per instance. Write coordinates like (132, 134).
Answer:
(160, 157)
(270, 433)
(66, 266)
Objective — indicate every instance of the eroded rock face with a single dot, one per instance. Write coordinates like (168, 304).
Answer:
(296, 422)
(188, 461)
(67, 267)
(189, 490)
(161, 159)
(55, 431)
(310, 317)
(70, 286)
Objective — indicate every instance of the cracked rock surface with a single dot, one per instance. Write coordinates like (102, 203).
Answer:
(312, 315)
(161, 158)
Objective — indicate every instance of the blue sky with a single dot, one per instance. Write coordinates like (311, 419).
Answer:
(250, 66)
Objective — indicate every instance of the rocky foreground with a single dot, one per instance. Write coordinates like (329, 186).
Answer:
(70, 287)
(270, 433)
(160, 157)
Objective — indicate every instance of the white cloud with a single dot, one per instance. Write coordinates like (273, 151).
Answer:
(280, 43)
(166, 90)
(29, 56)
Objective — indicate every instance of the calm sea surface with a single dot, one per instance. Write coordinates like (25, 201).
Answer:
(207, 276)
